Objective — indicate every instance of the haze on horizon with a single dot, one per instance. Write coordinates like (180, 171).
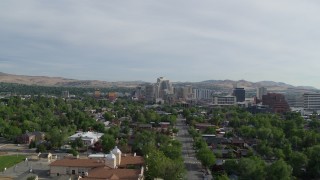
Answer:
(182, 40)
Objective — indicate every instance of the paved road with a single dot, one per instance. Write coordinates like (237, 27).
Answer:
(194, 167)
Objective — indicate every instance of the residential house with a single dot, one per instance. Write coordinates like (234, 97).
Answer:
(88, 138)
(28, 137)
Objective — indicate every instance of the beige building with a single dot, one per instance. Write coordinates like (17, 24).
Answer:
(224, 101)
(114, 165)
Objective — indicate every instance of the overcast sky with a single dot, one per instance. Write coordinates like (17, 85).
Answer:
(182, 40)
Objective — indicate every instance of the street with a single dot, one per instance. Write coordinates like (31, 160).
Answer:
(193, 165)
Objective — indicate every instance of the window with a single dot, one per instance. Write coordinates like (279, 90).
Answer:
(73, 171)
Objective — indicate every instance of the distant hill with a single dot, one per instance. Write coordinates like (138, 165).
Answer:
(270, 85)
(59, 81)
(65, 82)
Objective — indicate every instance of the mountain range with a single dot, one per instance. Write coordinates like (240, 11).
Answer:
(65, 82)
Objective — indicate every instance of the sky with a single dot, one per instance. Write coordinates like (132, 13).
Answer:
(183, 40)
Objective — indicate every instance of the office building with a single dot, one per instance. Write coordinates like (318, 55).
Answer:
(311, 101)
(184, 92)
(202, 94)
(224, 100)
(276, 102)
(261, 91)
(150, 93)
(240, 94)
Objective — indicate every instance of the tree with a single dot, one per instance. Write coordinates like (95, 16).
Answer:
(231, 166)
(156, 163)
(41, 148)
(252, 168)
(108, 116)
(57, 137)
(77, 143)
(210, 130)
(12, 131)
(31, 178)
(206, 156)
(279, 170)
(108, 142)
(172, 150)
(297, 161)
(74, 152)
(223, 177)
(160, 166)
(32, 144)
(313, 167)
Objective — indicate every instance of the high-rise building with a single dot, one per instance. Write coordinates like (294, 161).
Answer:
(276, 102)
(202, 94)
(138, 93)
(163, 87)
(261, 91)
(150, 92)
(240, 94)
(184, 92)
(311, 101)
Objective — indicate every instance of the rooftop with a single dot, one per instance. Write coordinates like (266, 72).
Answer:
(115, 174)
(89, 135)
(70, 162)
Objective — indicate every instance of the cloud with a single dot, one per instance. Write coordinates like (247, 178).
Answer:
(183, 40)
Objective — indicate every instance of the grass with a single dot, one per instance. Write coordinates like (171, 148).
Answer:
(8, 161)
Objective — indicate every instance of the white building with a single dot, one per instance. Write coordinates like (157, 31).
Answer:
(311, 101)
(202, 94)
(88, 138)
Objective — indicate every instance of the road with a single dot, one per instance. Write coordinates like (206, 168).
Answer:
(193, 166)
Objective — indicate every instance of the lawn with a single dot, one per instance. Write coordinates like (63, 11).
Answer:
(8, 161)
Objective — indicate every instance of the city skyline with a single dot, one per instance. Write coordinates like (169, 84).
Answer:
(181, 40)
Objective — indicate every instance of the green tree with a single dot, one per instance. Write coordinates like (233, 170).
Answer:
(77, 143)
(222, 177)
(32, 145)
(252, 168)
(160, 166)
(108, 116)
(279, 170)
(108, 142)
(313, 167)
(231, 166)
(57, 137)
(206, 156)
(41, 148)
(74, 152)
(297, 161)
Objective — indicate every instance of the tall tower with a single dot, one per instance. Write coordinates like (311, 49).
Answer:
(163, 87)
(261, 91)
(150, 92)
